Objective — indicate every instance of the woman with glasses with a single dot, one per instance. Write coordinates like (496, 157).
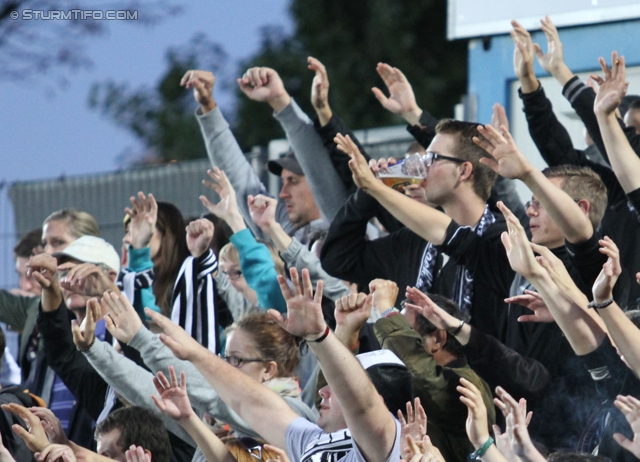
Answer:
(256, 345)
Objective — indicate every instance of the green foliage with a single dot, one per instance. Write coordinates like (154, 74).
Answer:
(254, 122)
(162, 117)
(350, 38)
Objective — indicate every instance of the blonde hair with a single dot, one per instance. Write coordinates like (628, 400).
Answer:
(230, 253)
(78, 223)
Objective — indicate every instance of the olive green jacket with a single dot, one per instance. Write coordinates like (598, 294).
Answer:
(436, 387)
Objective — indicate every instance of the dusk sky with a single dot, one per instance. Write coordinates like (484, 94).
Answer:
(45, 135)
(48, 133)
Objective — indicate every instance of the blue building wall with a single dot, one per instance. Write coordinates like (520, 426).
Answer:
(491, 71)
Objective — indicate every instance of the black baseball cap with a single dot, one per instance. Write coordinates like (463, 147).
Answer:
(288, 161)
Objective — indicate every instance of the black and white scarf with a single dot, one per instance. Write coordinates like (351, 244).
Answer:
(463, 288)
(193, 300)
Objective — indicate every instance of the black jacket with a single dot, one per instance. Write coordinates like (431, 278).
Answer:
(555, 146)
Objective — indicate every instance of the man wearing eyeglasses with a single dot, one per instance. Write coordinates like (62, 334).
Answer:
(458, 184)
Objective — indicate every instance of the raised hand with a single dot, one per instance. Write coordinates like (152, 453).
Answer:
(137, 454)
(121, 320)
(86, 279)
(227, 208)
(144, 216)
(401, 99)
(533, 301)
(34, 435)
(265, 85)
(415, 424)
(630, 407)
(56, 453)
(320, 91)
(421, 450)
(352, 312)
(517, 421)
(499, 117)
(611, 270)
(553, 59)
(199, 234)
(423, 305)
(362, 174)
(477, 420)
(304, 310)
(559, 274)
(51, 425)
(84, 336)
(173, 401)
(384, 294)
(518, 248)
(613, 87)
(523, 57)
(506, 159)
(263, 211)
(43, 269)
(202, 83)
(174, 337)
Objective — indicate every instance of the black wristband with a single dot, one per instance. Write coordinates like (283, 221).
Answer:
(457, 330)
(322, 337)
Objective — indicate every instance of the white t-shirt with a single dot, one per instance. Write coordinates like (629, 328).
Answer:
(306, 442)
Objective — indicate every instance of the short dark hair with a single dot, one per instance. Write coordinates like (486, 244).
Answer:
(467, 150)
(141, 427)
(582, 183)
(28, 242)
(424, 327)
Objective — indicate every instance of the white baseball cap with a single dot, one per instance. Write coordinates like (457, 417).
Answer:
(91, 249)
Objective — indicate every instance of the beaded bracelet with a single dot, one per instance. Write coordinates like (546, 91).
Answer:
(87, 348)
(599, 306)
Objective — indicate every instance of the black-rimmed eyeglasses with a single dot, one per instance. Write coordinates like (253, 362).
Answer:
(430, 157)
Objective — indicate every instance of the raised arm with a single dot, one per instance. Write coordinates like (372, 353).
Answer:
(174, 403)
(266, 412)
(623, 331)
(144, 216)
(549, 135)
(401, 99)
(613, 88)
(222, 147)
(256, 263)
(509, 162)
(565, 301)
(292, 252)
(264, 84)
(427, 222)
(491, 359)
(371, 424)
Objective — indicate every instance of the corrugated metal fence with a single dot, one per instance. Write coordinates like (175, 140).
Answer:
(105, 195)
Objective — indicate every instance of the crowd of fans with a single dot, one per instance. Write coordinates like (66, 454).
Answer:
(349, 321)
